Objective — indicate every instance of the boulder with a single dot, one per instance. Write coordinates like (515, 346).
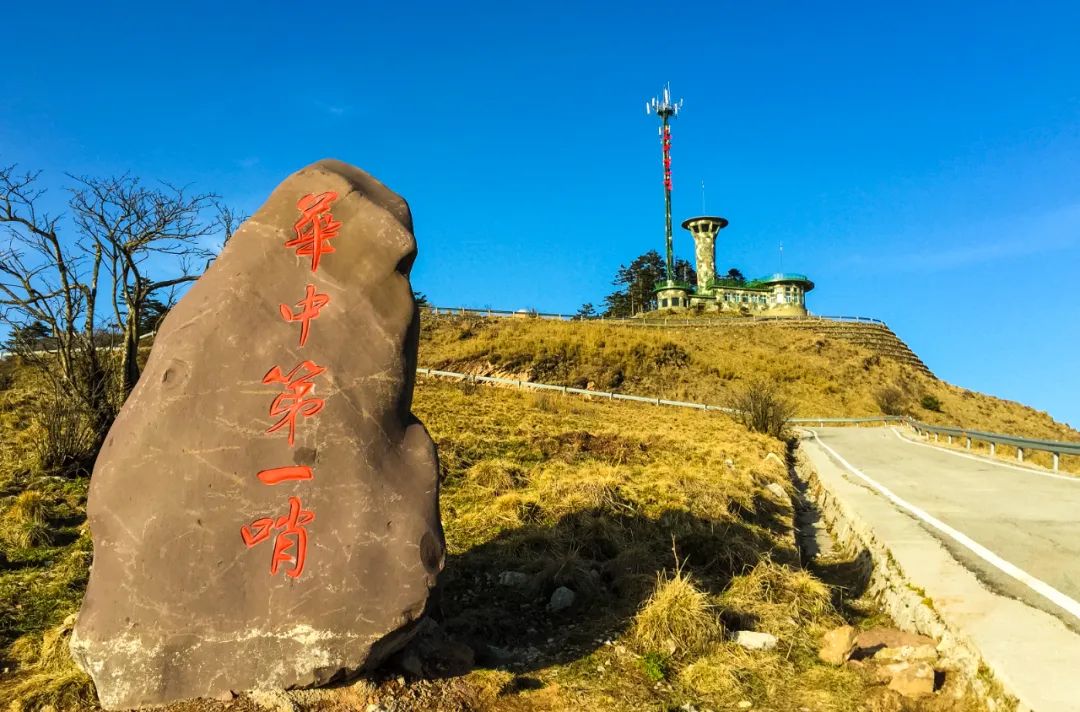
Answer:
(264, 510)
(837, 644)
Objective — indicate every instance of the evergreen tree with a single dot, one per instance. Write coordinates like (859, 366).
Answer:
(734, 276)
(587, 311)
(685, 272)
(637, 281)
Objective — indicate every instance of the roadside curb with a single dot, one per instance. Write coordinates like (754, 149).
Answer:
(905, 603)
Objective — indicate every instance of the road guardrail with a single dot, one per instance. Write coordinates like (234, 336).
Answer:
(1054, 447)
(667, 321)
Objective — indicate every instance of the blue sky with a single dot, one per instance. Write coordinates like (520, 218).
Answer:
(920, 161)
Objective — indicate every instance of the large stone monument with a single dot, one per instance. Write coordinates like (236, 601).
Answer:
(265, 509)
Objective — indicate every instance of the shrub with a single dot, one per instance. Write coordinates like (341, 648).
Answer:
(66, 441)
(761, 407)
(931, 402)
(890, 400)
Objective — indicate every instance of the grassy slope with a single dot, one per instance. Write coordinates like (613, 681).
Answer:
(824, 377)
(597, 496)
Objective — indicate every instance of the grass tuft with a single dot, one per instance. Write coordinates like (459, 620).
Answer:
(47, 676)
(677, 619)
(25, 522)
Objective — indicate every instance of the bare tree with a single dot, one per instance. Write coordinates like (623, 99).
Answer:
(229, 220)
(44, 280)
(130, 225)
(127, 242)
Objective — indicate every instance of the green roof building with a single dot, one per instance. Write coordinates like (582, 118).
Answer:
(779, 294)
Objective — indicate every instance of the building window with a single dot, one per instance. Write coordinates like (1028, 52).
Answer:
(663, 302)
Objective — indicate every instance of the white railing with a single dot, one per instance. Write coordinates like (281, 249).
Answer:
(1054, 447)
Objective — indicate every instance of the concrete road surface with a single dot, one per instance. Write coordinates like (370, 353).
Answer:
(1028, 518)
(978, 534)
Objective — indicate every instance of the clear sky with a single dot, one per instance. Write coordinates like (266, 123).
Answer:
(919, 161)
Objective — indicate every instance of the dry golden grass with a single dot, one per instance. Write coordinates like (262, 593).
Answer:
(822, 376)
(678, 619)
(593, 495)
(23, 525)
(47, 676)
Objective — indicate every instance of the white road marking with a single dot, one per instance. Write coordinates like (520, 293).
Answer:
(1037, 585)
(984, 460)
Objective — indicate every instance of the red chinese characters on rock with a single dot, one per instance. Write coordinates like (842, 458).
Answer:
(276, 475)
(290, 544)
(310, 306)
(294, 402)
(315, 228)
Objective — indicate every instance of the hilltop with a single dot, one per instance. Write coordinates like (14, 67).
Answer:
(828, 370)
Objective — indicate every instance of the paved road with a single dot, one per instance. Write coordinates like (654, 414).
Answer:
(995, 548)
(1029, 519)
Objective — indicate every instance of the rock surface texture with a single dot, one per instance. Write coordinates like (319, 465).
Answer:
(837, 645)
(265, 508)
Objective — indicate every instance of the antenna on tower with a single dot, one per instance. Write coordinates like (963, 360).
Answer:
(666, 108)
(703, 196)
(781, 256)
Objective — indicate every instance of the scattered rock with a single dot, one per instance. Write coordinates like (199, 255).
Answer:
(774, 457)
(745, 704)
(869, 642)
(513, 578)
(837, 645)
(907, 653)
(753, 640)
(910, 679)
(286, 530)
(730, 464)
(561, 599)
(777, 491)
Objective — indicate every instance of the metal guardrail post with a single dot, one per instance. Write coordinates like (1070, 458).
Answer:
(1055, 448)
